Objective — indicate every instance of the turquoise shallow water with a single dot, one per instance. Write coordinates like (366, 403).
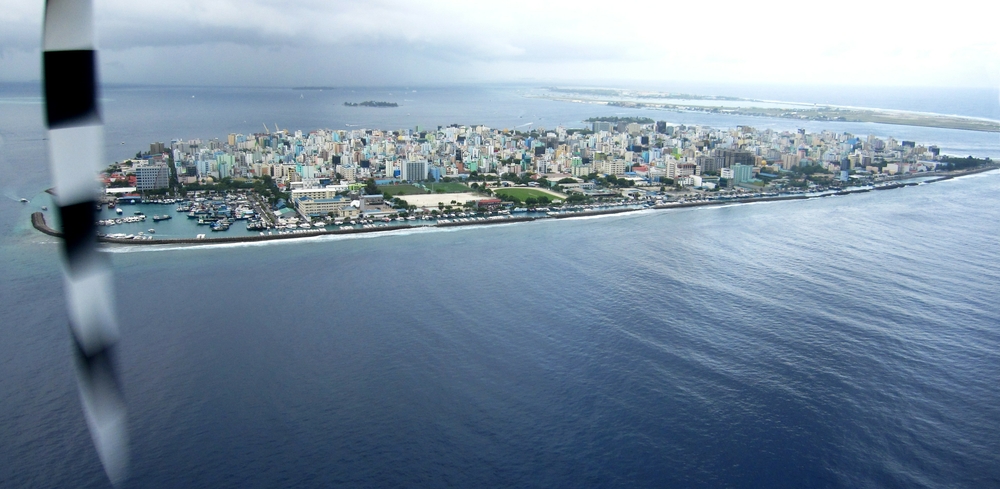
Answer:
(840, 342)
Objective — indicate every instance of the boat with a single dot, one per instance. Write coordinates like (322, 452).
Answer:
(45, 207)
(24, 201)
(119, 211)
(152, 231)
(221, 225)
(157, 218)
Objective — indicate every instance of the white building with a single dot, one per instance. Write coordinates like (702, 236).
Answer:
(413, 171)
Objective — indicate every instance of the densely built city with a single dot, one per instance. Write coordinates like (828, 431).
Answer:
(358, 174)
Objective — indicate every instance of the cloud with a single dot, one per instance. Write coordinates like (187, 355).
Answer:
(393, 41)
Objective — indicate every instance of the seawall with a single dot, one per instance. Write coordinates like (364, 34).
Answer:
(38, 219)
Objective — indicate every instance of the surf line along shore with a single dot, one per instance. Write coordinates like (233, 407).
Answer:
(38, 219)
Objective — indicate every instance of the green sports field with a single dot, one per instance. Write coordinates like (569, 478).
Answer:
(448, 187)
(524, 193)
(401, 189)
(410, 189)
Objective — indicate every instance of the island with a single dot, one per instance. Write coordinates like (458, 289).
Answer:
(289, 184)
(371, 103)
(764, 108)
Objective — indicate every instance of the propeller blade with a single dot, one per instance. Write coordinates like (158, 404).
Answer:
(75, 144)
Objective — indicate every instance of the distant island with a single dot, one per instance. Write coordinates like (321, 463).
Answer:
(637, 120)
(371, 103)
(633, 99)
(606, 92)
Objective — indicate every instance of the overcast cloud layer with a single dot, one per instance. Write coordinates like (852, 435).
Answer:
(390, 42)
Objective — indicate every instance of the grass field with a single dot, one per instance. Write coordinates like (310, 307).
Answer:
(409, 189)
(448, 187)
(524, 193)
(402, 189)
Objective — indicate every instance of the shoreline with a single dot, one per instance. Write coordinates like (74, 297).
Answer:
(39, 223)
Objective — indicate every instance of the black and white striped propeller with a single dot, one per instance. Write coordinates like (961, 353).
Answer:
(76, 138)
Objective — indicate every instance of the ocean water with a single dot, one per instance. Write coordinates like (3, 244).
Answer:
(839, 342)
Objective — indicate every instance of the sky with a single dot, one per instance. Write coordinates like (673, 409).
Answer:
(609, 43)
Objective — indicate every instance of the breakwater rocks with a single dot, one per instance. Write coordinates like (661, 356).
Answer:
(38, 222)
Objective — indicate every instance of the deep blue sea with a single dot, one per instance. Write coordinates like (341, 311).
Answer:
(848, 341)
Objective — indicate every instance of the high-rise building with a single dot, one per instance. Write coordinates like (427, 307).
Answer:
(742, 173)
(414, 171)
(152, 176)
(601, 126)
